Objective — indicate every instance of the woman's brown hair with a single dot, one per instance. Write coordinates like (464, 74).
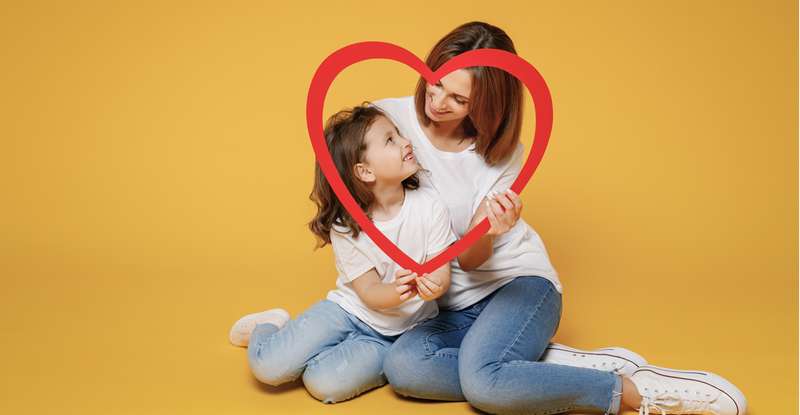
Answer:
(495, 105)
(344, 134)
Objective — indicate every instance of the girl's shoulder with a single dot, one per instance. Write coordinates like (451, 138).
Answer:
(427, 203)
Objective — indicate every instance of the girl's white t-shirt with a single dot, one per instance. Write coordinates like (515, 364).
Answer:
(420, 229)
(461, 181)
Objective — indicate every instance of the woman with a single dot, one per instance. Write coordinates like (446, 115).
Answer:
(490, 343)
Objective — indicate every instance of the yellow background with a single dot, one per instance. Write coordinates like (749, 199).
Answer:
(155, 169)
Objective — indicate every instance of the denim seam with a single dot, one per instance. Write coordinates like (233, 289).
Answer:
(527, 322)
(427, 338)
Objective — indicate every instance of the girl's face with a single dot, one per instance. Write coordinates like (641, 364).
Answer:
(388, 157)
(448, 100)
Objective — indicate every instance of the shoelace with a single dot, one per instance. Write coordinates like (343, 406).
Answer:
(647, 405)
(676, 405)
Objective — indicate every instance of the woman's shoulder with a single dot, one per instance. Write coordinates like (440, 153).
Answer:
(395, 106)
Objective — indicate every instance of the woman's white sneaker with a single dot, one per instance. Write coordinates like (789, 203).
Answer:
(670, 391)
(241, 330)
(608, 359)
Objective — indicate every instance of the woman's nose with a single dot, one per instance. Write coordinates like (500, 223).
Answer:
(437, 100)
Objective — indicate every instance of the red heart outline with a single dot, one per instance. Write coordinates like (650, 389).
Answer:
(357, 52)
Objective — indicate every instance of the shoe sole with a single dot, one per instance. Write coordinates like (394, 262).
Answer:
(618, 352)
(711, 379)
(235, 327)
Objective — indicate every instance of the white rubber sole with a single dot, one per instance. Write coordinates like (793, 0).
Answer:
(711, 379)
(240, 331)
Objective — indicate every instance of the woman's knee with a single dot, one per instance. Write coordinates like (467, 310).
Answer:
(401, 367)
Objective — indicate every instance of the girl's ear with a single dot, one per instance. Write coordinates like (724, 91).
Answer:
(363, 173)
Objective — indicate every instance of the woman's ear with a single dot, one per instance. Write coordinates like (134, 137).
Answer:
(363, 173)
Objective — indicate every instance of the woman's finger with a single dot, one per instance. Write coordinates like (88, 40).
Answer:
(496, 207)
(515, 199)
(495, 224)
(505, 200)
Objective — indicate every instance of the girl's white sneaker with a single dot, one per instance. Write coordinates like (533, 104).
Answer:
(241, 330)
(670, 391)
(608, 359)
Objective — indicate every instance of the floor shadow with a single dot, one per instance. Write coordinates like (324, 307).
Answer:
(276, 390)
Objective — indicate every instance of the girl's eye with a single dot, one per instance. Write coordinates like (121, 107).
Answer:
(460, 102)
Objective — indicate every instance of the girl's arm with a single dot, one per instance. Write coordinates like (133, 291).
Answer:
(503, 211)
(378, 295)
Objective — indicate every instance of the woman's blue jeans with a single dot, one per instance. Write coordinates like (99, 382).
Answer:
(488, 355)
(338, 355)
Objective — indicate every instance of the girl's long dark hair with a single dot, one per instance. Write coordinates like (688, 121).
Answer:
(344, 134)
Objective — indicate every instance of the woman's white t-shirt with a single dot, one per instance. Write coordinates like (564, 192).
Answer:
(461, 181)
(420, 229)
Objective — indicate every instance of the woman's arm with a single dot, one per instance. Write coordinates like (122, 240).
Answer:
(503, 211)
(378, 295)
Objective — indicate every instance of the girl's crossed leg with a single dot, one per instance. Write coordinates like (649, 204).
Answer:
(338, 356)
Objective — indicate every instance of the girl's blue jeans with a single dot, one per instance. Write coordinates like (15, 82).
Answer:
(337, 354)
(487, 354)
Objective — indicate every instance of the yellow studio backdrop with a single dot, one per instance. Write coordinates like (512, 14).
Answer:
(155, 170)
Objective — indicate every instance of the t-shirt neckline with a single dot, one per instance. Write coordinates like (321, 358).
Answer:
(427, 141)
(383, 224)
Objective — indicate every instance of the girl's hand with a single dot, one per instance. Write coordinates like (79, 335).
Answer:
(429, 287)
(503, 210)
(405, 284)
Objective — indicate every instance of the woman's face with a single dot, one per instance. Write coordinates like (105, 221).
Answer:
(388, 157)
(448, 100)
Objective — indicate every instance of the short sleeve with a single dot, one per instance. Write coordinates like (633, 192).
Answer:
(511, 169)
(440, 233)
(351, 261)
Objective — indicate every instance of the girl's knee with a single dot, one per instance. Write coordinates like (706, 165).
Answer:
(328, 389)
(270, 371)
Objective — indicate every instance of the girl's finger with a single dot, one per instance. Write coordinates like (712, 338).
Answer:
(433, 288)
(402, 288)
(402, 272)
(406, 295)
(423, 289)
(405, 280)
(432, 283)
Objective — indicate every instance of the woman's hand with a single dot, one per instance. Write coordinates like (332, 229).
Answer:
(405, 283)
(503, 210)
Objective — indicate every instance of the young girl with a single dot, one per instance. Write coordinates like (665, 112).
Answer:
(338, 345)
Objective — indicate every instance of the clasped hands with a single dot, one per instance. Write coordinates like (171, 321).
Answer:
(408, 283)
